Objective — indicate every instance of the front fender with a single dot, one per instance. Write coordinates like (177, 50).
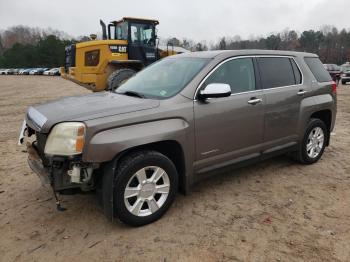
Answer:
(105, 145)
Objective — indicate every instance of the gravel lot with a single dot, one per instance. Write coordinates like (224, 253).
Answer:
(273, 211)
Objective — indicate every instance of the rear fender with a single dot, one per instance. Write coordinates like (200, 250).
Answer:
(312, 105)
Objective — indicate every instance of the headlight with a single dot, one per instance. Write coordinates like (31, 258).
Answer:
(66, 139)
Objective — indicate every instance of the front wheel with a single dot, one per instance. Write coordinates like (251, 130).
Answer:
(118, 77)
(145, 186)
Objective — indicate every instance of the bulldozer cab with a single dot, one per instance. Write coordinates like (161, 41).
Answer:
(140, 35)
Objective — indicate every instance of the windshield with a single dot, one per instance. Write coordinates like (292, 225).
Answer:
(345, 68)
(165, 78)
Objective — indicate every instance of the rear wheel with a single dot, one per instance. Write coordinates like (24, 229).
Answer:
(314, 142)
(118, 77)
(145, 187)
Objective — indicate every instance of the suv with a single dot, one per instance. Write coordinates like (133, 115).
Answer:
(177, 121)
(334, 71)
(345, 76)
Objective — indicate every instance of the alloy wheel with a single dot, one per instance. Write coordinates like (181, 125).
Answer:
(146, 191)
(315, 142)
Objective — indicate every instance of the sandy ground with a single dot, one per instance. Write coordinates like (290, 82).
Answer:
(273, 211)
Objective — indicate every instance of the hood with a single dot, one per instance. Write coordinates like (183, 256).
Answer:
(81, 108)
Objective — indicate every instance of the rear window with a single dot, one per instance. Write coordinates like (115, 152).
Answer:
(317, 69)
(277, 72)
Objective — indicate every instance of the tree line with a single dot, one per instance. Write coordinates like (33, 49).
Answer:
(22, 46)
(330, 44)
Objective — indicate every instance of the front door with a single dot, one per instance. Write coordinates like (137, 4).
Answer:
(231, 128)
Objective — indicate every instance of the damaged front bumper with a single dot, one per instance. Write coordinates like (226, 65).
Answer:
(34, 160)
(64, 174)
(36, 164)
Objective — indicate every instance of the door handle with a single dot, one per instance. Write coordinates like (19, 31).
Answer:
(254, 101)
(301, 92)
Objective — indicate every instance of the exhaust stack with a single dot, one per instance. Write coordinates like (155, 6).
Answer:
(104, 32)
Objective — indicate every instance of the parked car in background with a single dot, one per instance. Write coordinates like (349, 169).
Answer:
(10, 71)
(53, 72)
(33, 71)
(3, 71)
(20, 72)
(27, 71)
(335, 71)
(179, 120)
(38, 71)
(42, 70)
(6, 72)
(15, 71)
(46, 72)
(345, 75)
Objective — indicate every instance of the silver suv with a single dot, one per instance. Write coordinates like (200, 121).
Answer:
(345, 75)
(177, 121)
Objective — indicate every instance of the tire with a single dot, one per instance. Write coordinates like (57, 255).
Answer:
(303, 154)
(128, 174)
(118, 77)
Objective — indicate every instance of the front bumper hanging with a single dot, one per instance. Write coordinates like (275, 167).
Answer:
(36, 164)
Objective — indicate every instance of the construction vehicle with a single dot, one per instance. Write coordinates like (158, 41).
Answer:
(126, 47)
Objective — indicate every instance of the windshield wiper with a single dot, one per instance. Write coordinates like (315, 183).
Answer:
(133, 93)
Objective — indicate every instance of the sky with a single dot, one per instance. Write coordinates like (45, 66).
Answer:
(193, 19)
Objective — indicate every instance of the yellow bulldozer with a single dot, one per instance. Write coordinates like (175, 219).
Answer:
(126, 47)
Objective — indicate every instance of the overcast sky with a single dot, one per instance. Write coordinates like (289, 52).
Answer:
(195, 19)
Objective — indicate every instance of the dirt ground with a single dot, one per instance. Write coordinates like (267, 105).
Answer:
(273, 211)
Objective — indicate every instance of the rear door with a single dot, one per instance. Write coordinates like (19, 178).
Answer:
(284, 90)
(230, 128)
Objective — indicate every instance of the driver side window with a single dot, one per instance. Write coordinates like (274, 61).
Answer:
(238, 73)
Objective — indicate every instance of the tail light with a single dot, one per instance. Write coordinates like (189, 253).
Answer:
(334, 87)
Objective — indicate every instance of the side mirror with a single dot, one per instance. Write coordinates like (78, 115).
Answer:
(215, 90)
